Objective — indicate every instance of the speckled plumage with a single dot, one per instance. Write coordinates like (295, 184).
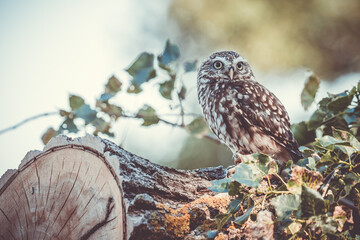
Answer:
(241, 112)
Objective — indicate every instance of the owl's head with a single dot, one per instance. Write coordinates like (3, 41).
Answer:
(225, 66)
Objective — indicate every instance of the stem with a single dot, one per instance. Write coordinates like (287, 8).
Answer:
(27, 120)
(282, 180)
(210, 137)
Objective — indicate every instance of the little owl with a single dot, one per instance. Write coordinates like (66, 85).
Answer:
(241, 112)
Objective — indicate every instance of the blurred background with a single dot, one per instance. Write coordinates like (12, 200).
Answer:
(50, 49)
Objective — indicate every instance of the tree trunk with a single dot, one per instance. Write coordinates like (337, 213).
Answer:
(89, 188)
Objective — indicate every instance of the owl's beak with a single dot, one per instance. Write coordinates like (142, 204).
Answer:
(231, 73)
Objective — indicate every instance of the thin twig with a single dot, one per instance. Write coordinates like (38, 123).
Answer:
(27, 120)
(210, 137)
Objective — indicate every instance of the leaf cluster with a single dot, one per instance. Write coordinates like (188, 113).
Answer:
(319, 198)
(164, 70)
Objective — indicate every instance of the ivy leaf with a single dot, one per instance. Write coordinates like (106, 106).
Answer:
(326, 159)
(211, 234)
(341, 101)
(244, 174)
(285, 205)
(312, 203)
(235, 188)
(346, 136)
(166, 88)
(102, 126)
(170, 54)
(190, 66)
(243, 218)
(112, 87)
(86, 113)
(350, 179)
(302, 134)
(317, 119)
(76, 102)
(197, 126)
(134, 88)
(68, 125)
(308, 93)
(302, 176)
(148, 114)
(222, 219)
(142, 70)
(329, 142)
(49, 134)
(235, 204)
(112, 110)
(219, 186)
(105, 97)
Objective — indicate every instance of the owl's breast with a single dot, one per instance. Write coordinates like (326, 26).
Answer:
(220, 112)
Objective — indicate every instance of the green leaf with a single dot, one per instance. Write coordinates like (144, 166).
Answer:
(222, 219)
(142, 70)
(350, 180)
(312, 203)
(219, 186)
(166, 88)
(346, 136)
(148, 114)
(235, 205)
(301, 133)
(308, 93)
(190, 66)
(326, 159)
(101, 126)
(328, 142)
(263, 163)
(86, 113)
(285, 205)
(341, 101)
(243, 218)
(211, 234)
(134, 88)
(48, 135)
(114, 111)
(170, 54)
(197, 126)
(76, 102)
(317, 119)
(235, 188)
(105, 97)
(113, 85)
(244, 174)
(68, 125)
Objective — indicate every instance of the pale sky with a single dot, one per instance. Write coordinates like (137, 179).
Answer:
(49, 49)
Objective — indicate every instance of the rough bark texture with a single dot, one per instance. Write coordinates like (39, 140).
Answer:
(89, 188)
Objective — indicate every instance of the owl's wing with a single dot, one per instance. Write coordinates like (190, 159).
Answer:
(262, 109)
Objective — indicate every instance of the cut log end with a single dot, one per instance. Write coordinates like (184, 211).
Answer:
(66, 193)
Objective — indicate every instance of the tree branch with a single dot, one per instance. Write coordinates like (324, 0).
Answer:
(27, 120)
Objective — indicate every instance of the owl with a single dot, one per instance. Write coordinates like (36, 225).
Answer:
(242, 113)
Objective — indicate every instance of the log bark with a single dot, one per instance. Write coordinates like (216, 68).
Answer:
(90, 188)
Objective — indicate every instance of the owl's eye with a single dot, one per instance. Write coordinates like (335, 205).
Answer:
(218, 65)
(240, 65)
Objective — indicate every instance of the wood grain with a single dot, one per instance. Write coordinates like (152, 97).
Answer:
(65, 193)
